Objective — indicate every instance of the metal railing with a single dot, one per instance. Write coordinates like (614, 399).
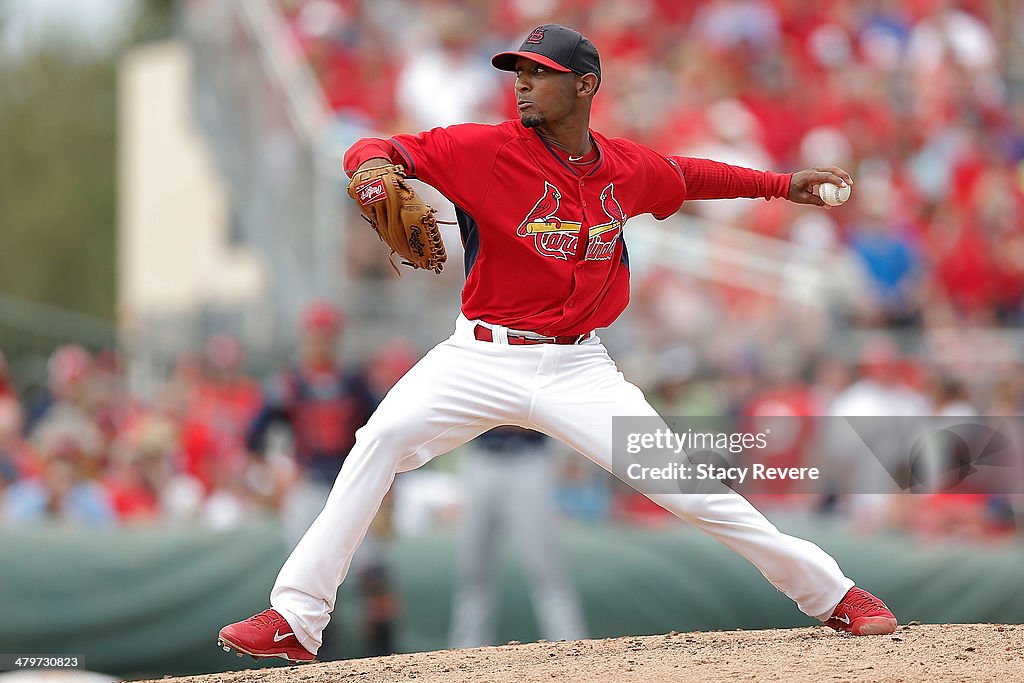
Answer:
(263, 115)
(727, 255)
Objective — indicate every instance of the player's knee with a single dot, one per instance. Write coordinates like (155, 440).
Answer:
(386, 436)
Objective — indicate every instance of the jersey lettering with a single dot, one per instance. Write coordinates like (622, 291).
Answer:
(558, 238)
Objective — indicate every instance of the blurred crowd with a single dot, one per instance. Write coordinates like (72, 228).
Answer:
(921, 100)
(211, 446)
(217, 448)
(84, 452)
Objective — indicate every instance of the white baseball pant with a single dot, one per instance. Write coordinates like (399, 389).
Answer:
(464, 387)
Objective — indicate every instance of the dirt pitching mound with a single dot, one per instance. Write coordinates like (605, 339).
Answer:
(946, 652)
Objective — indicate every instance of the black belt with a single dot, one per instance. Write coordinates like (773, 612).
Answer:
(485, 334)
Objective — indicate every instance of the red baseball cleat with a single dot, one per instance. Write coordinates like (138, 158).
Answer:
(265, 635)
(862, 614)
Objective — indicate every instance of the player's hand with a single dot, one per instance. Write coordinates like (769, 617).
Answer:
(803, 188)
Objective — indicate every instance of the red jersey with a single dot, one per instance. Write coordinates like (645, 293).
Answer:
(544, 238)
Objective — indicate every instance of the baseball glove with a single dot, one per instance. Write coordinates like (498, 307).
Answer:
(398, 215)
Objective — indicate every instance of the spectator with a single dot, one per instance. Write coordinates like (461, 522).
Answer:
(879, 392)
(66, 489)
(949, 34)
(16, 458)
(220, 407)
(68, 389)
(785, 408)
(891, 262)
(953, 400)
(729, 24)
(445, 83)
(140, 469)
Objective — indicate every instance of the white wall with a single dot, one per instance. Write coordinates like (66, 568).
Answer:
(173, 254)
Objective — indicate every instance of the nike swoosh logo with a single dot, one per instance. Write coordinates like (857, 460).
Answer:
(575, 158)
(278, 637)
(845, 619)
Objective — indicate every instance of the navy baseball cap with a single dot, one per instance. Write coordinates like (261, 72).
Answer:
(556, 47)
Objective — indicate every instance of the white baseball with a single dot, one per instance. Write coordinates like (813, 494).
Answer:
(833, 194)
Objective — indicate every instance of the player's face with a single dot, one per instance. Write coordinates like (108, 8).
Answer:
(319, 346)
(543, 95)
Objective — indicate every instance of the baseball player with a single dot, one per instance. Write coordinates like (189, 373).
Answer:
(511, 477)
(541, 203)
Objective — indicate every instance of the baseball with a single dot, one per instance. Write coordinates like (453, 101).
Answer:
(833, 194)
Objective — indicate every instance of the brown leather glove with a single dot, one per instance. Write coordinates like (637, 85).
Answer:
(402, 220)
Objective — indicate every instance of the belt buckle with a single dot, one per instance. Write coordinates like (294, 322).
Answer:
(526, 335)
(533, 338)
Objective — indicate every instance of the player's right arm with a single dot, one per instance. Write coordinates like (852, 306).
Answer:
(671, 180)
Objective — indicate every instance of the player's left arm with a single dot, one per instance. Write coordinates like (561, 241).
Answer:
(457, 160)
(370, 152)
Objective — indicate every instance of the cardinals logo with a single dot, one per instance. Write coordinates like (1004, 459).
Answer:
(537, 35)
(604, 237)
(557, 238)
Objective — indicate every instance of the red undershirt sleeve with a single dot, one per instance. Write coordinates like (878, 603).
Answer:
(707, 179)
